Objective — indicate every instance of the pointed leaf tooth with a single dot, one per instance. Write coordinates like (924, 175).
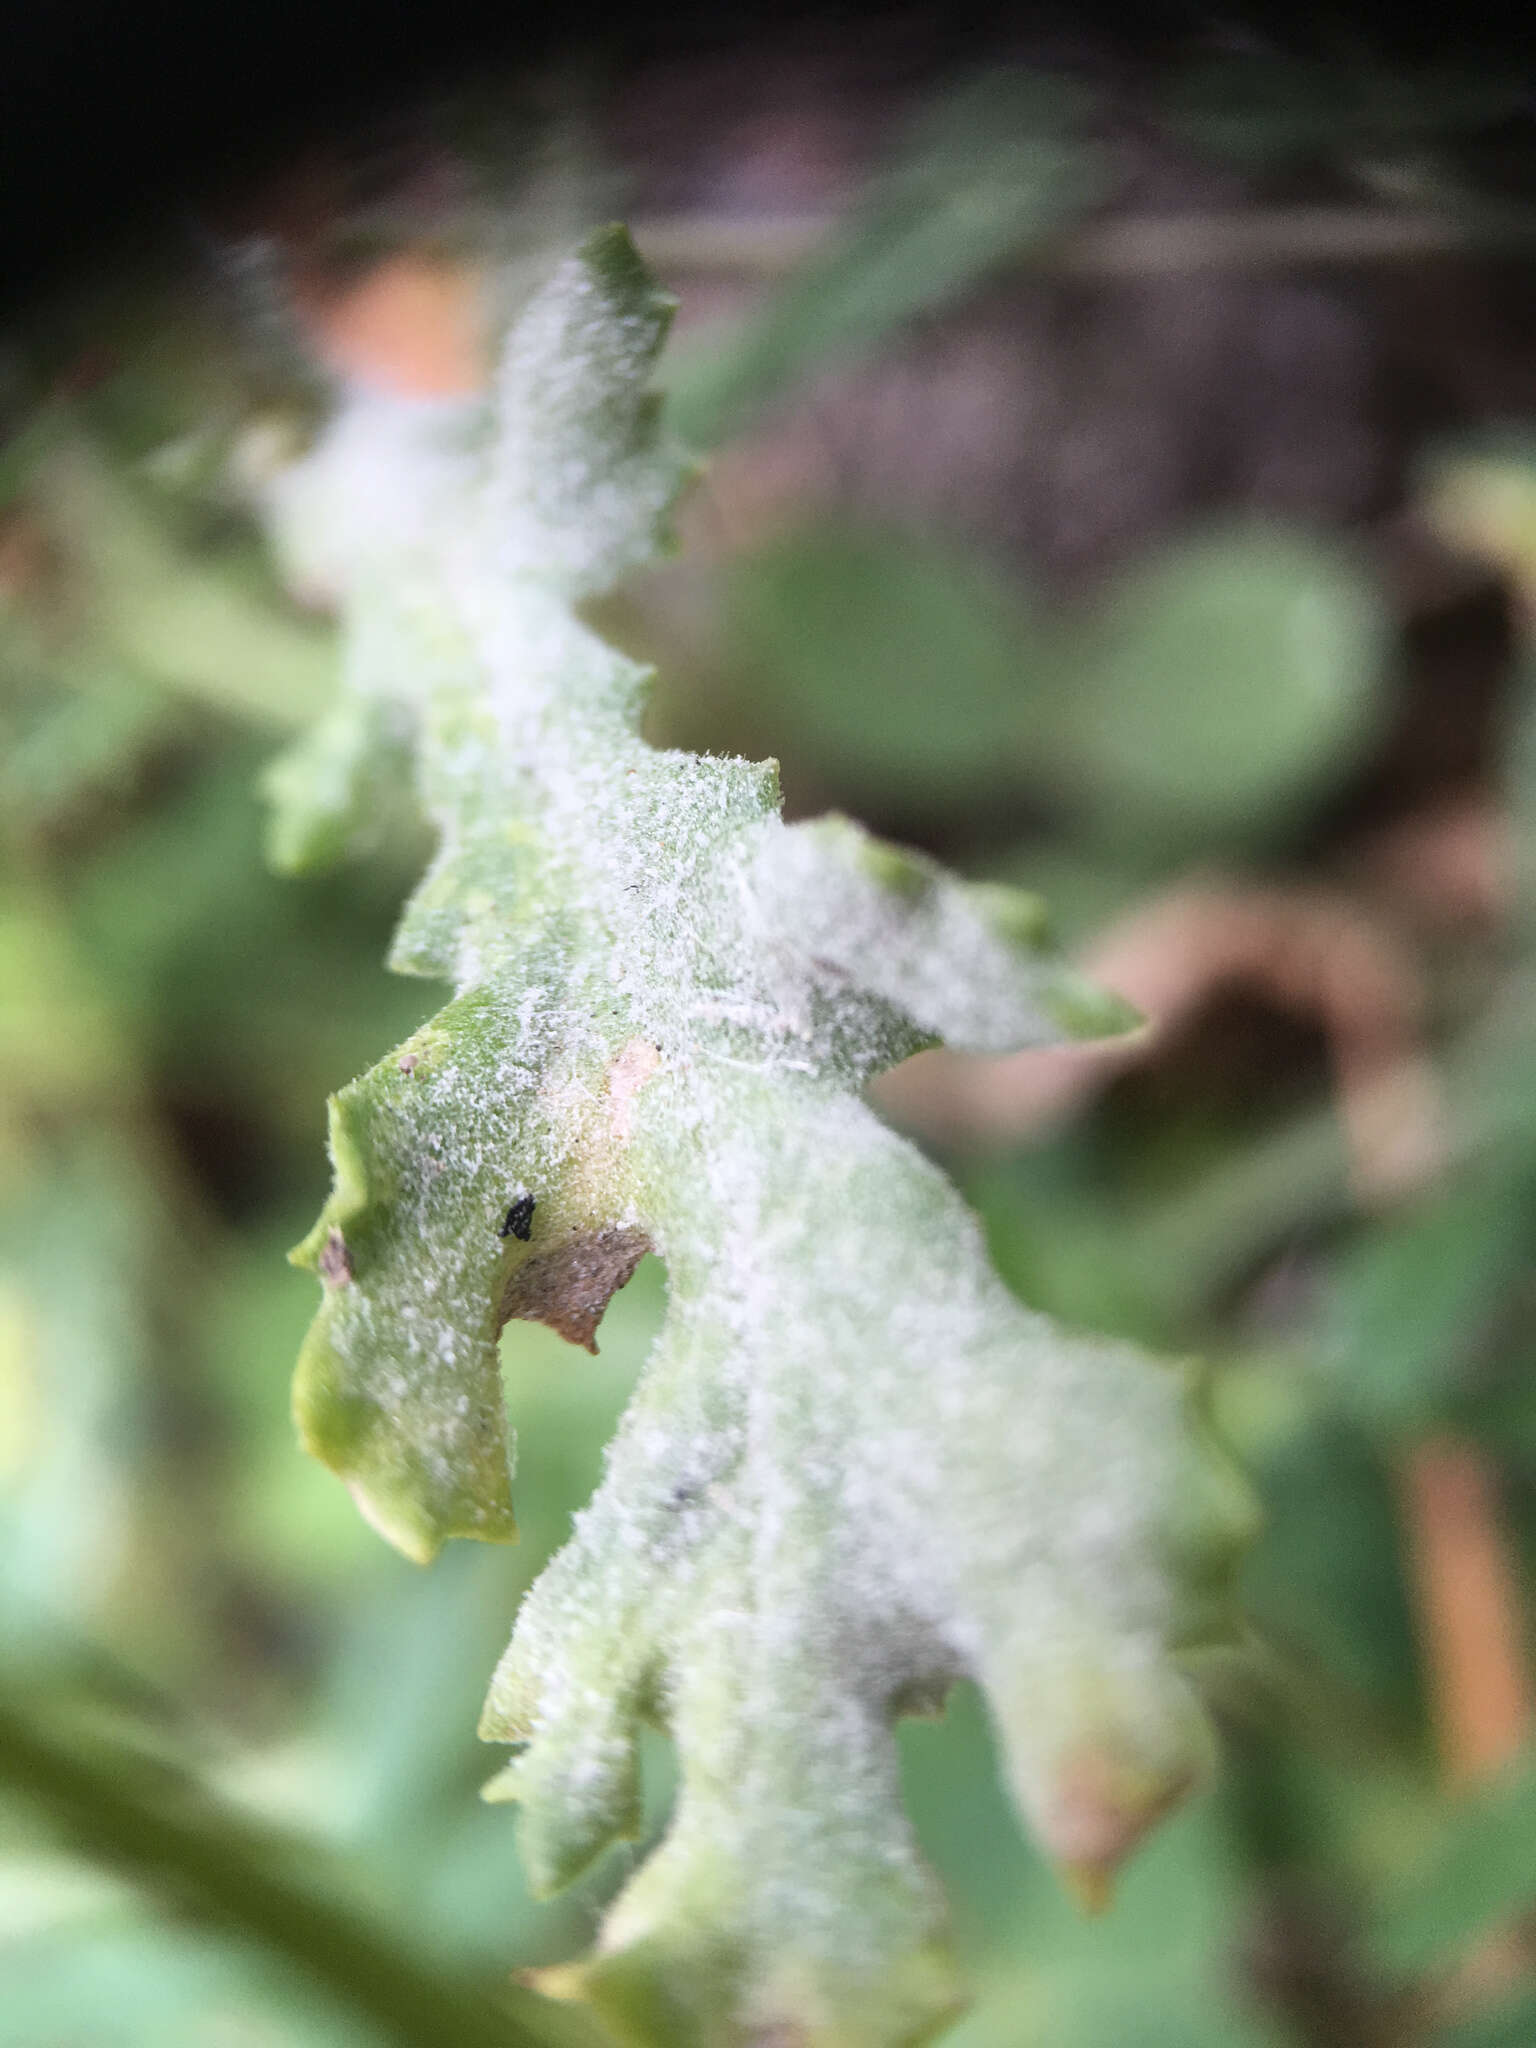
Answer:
(326, 792)
(966, 964)
(1097, 1751)
(350, 1194)
(1082, 1009)
(579, 1790)
(581, 483)
(503, 1787)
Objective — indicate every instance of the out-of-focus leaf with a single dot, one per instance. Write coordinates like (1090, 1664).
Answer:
(242, 987)
(1211, 691)
(901, 661)
(1482, 1873)
(76, 1331)
(1479, 494)
(1268, 110)
(1323, 1580)
(84, 746)
(1060, 1245)
(1412, 1304)
(62, 1049)
(44, 1890)
(125, 589)
(1511, 2025)
(997, 167)
(1187, 1246)
(88, 1251)
(1220, 685)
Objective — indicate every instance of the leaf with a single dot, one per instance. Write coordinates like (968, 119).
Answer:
(1412, 1307)
(839, 622)
(84, 747)
(1481, 1874)
(1510, 2025)
(130, 599)
(854, 1469)
(1220, 684)
(86, 1307)
(1268, 111)
(78, 1333)
(1210, 689)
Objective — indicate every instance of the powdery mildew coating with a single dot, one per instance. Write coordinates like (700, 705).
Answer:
(855, 1468)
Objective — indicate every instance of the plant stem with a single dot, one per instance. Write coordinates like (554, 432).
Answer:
(123, 1806)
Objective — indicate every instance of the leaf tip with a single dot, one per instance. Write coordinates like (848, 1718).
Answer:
(1016, 915)
(1091, 1886)
(1080, 1009)
(404, 1533)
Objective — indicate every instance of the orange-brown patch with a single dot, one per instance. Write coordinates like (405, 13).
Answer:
(335, 1267)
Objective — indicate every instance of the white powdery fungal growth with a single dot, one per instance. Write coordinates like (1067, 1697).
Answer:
(855, 1468)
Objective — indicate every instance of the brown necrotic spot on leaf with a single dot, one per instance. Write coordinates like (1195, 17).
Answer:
(570, 1285)
(1102, 1806)
(334, 1265)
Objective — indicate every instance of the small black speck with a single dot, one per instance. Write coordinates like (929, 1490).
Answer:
(519, 1223)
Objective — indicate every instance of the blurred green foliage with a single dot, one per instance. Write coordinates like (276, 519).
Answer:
(1198, 702)
(237, 1767)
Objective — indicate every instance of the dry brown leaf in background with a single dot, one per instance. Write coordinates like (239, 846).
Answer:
(414, 325)
(1467, 1596)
